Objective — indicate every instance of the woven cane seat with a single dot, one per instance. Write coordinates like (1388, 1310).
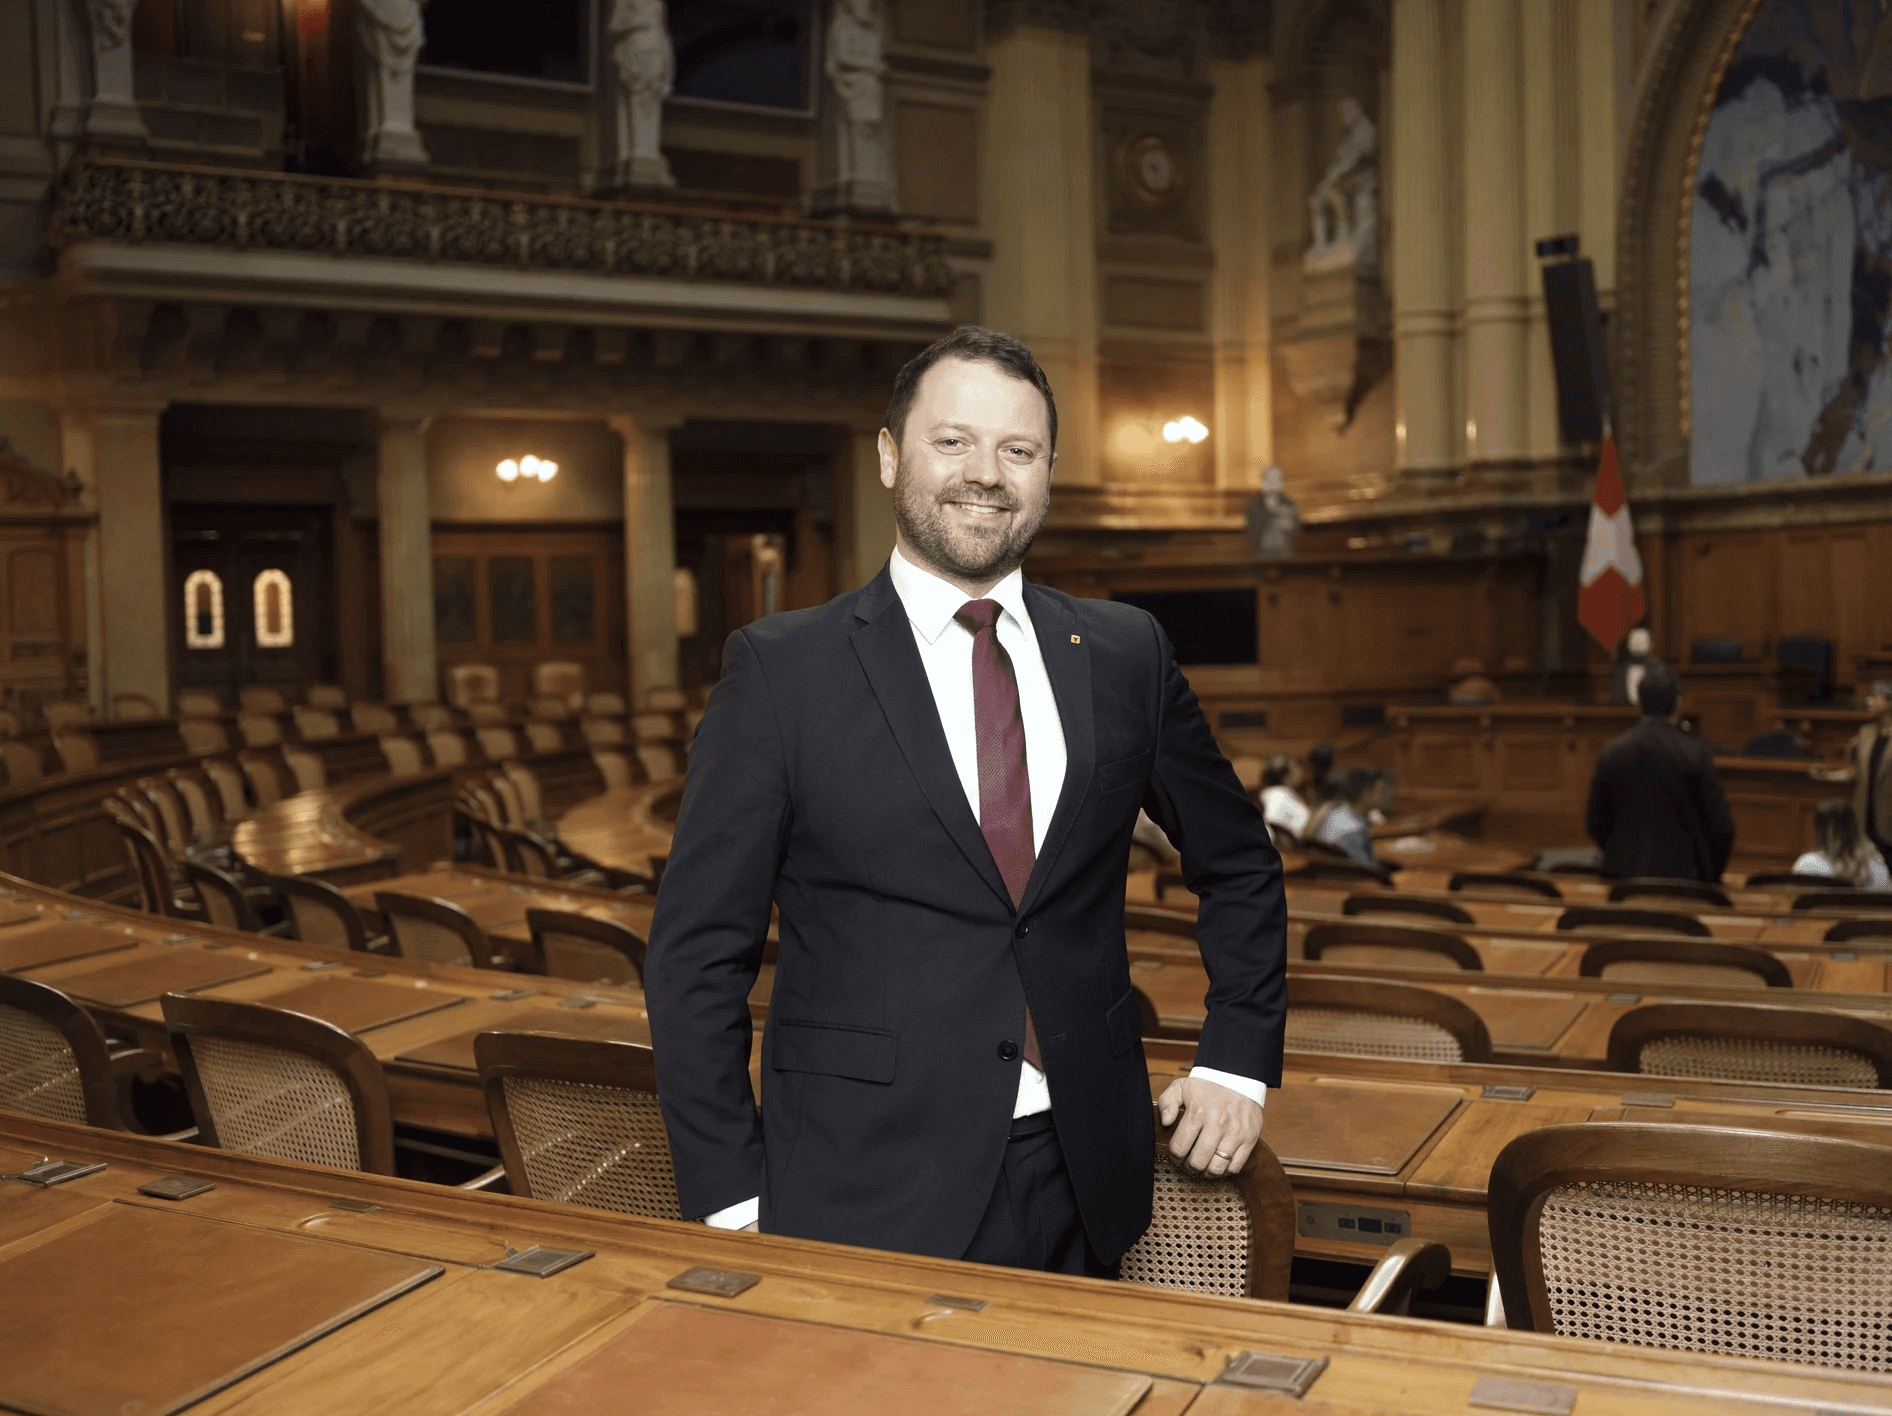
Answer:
(1787, 1277)
(1758, 1059)
(39, 1073)
(1198, 1235)
(1363, 1034)
(601, 1147)
(267, 1101)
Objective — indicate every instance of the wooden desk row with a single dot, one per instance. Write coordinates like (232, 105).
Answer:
(309, 1290)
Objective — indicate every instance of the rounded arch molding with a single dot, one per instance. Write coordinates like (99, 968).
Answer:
(1691, 47)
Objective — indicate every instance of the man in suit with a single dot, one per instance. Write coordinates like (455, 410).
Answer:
(935, 779)
(1656, 806)
(1872, 770)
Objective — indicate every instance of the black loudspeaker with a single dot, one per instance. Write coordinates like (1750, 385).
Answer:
(1576, 349)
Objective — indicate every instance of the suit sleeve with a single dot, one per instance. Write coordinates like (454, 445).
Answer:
(707, 938)
(1717, 820)
(1231, 865)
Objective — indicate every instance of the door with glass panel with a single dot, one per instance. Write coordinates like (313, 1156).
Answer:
(252, 588)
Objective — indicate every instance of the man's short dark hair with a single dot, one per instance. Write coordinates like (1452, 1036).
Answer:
(1659, 691)
(1278, 770)
(981, 345)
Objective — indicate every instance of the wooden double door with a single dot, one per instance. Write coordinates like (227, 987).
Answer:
(253, 589)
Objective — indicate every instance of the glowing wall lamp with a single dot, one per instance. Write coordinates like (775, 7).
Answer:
(538, 469)
(1184, 429)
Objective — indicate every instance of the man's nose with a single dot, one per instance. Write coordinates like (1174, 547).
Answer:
(983, 469)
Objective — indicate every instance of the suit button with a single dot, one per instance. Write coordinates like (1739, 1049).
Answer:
(1008, 1051)
(1024, 929)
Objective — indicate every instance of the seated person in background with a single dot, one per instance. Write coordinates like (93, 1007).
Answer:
(1321, 784)
(1840, 851)
(1656, 806)
(1342, 822)
(1281, 805)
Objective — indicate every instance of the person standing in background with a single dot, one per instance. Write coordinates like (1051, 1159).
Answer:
(1656, 804)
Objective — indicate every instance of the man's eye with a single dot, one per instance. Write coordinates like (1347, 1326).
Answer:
(949, 442)
(1024, 452)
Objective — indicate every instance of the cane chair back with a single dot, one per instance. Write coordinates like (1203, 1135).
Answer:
(558, 935)
(529, 855)
(22, 762)
(376, 718)
(78, 750)
(202, 736)
(1700, 1239)
(1861, 901)
(563, 679)
(229, 783)
(531, 795)
(604, 705)
(603, 732)
(1632, 919)
(314, 724)
(133, 708)
(259, 729)
(1683, 895)
(62, 716)
(1863, 927)
(1391, 902)
(433, 930)
(430, 717)
(53, 1058)
(402, 755)
(326, 695)
(1791, 880)
(512, 811)
(265, 777)
(1402, 946)
(148, 864)
(468, 684)
(497, 743)
(544, 736)
(319, 913)
(1232, 1235)
(1505, 884)
(1752, 1042)
(222, 897)
(1672, 961)
(447, 748)
(203, 805)
(306, 768)
(265, 1081)
(198, 703)
(173, 820)
(578, 1122)
(1370, 1018)
(492, 839)
(659, 761)
(261, 698)
(140, 807)
(614, 767)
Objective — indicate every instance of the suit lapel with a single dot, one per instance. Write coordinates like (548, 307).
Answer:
(891, 661)
(1068, 665)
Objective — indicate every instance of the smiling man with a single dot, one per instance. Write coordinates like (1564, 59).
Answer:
(935, 779)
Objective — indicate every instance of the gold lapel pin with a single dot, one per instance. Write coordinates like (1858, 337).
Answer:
(1075, 639)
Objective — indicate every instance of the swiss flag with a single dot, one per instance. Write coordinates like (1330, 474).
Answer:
(1611, 601)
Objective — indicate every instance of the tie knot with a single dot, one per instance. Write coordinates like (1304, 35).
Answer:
(976, 615)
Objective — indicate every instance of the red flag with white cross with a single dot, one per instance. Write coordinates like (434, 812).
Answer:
(1610, 602)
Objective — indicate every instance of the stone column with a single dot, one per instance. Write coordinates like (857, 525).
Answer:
(1597, 108)
(1239, 184)
(410, 670)
(1043, 282)
(1421, 247)
(134, 590)
(113, 115)
(863, 509)
(77, 455)
(1496, 251)
(1547, 43)
(650, 557)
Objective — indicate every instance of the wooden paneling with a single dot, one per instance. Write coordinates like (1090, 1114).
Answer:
(936, 152)
(41, 640)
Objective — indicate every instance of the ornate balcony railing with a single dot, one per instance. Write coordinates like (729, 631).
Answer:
(148, 203)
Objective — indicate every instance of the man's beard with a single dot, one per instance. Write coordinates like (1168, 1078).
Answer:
(958, 549)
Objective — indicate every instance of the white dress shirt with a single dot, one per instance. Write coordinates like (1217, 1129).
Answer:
(945, 648)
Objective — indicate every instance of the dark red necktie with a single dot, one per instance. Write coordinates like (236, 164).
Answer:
(1004, 784)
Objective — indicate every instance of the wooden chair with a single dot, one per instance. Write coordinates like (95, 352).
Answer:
(376, 718)
(578, 1122)
(78, 750)
(261, 698)
(447, 748)
(1504, 883)
(22, 761)
(659, 761)
(1862, 901)
(430, 717)
(654, 727)
(433, 930)
(512, 810)
(320, 914)
(563, 679)
(1630, 917)
(224, 901)
(259, 729)
(529, 855)
(203, 803)
(548, 708)
(133, 708)
(665, 700)
(1320, 868)
(544, 736)
(173, 821)
(472, 683)
(497, 743)
(1161, 919)
(306, 767)
(1582, 869)
(265, 1081)
(1375, 1018)
(402, 755)
(487, 714)
(1670, 961)
(604, 705)
(1792, 880)
(315, 724)
(614, 767)
(149, 865)
(1752, 1042)
(9, 723)
(560, 935)
(331, 696)
(531, 792)
(1697, 1238)
(265, 776)
(54, 1060)
(230, 785)
(203, 736)
(198, 703)
(602, 732)
(1685, 892)
(1232, 1235)
(1402, 946)
(1860, 927)
(1394, 903)
(491, 838)
(62, 716)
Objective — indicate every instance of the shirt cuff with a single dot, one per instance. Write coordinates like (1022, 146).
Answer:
(1255, 1091)
(736, 1216)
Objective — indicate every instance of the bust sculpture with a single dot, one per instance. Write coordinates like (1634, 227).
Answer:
(1273, 518)
(389, 35)
(1345, 203)
(645, 67)
(113, 114)
(854, 133)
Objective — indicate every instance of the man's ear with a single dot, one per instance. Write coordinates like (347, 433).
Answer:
(889, 458)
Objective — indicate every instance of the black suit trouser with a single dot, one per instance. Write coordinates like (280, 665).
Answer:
(1031, 1221)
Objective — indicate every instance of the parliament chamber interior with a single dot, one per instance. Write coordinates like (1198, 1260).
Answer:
(401, 407)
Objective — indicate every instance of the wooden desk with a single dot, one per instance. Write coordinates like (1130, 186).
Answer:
(474, 1337)
(623, 828)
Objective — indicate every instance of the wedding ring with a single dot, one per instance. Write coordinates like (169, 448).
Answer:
(1222, 1155)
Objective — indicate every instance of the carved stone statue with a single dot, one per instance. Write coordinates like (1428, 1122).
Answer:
(112, 114)
(389, 35)
(1273, 518)
(645, 67)
(1345, 203)
(854, 133)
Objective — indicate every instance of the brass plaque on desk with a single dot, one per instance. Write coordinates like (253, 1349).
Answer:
(55, 944)
(1351, 1128)
(355, 1004)
(456, 1052)
(149, 1310)
(686, 1360)
(147, 979)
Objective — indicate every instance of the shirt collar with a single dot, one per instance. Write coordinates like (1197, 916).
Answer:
(931, 602)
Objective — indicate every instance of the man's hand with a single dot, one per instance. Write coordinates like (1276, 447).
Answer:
(1218, 1127)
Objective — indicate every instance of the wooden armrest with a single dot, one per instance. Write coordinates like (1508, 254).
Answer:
(485, 1181)
(279, 930)
(136, 1062)
(189, 1133)
(1409, 1265)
